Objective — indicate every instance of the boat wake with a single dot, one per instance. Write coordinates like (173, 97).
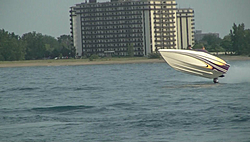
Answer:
(237, 74)
(188, 84)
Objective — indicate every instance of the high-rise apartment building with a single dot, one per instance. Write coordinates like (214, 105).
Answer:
(185, 28)
(114, 27)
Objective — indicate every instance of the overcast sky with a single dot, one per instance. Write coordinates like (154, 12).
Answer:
(51, 17)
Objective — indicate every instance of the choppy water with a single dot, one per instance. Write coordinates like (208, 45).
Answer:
(129, 102)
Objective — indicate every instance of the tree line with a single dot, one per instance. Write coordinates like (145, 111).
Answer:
(32, 45)
(237, 41)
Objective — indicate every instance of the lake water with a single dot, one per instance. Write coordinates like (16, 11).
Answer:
(124, 102)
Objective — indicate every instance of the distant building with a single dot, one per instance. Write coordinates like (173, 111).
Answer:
(185, 28)
(199, 35)
(111, 27)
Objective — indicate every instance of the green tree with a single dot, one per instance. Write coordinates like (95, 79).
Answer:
(212, 43)
(33, 45)
(93, 57)
(239, 39)
(131, 50)
(40, 46)
(51, 44)
(227, 43)
(247, 39)
(11, 47)
(155, 55)
(65, 45)
(35, 48)
(198, 45)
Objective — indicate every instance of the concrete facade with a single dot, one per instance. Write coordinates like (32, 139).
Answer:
(185, 28)
(111, 27)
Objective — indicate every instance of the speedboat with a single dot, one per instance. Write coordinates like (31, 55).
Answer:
(199, 63)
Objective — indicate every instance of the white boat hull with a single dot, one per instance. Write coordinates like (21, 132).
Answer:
(195, 62)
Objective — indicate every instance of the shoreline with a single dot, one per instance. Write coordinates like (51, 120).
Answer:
(233, 57)
(78, 62)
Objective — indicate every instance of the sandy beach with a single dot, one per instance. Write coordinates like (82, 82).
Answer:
(74, 62)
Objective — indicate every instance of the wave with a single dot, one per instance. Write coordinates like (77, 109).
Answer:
(126, 106)
(62, 108)
(120, 105)
(76, 88)
(88, 88)
(240, 118)
(20, 89)
(192, 85)
(210, 116)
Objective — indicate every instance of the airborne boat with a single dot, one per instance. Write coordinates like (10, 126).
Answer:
(199, 63)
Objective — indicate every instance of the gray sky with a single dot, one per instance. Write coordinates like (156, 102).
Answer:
(51, 17)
